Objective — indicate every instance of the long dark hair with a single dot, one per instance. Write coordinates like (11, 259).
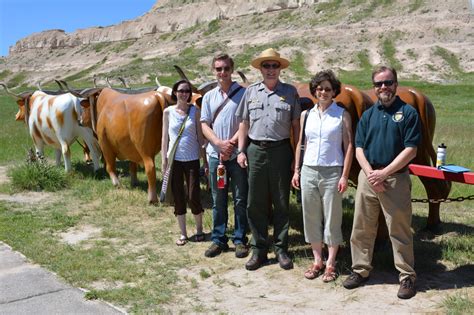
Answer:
(175, 88)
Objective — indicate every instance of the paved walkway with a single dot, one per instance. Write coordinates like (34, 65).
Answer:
(26, 288)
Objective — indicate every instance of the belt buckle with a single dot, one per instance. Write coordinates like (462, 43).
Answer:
(264, 144)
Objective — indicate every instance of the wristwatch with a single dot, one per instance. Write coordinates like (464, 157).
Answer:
(241, 151)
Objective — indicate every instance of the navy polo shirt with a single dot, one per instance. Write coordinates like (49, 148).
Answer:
(384, 132)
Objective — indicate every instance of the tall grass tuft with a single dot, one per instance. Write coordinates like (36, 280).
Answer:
(458, 303)
(38, 176)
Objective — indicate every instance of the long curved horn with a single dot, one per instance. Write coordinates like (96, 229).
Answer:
(158, 84)
(243, 77)
(71, 91)
(124, 82)
(9, 92)
(184, 77)
(94, 80)
(181, 73)
(108, 82)
(61, 87)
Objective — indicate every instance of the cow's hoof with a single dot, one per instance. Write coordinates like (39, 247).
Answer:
(153, 202)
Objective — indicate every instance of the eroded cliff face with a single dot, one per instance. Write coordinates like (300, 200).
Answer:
(163, 17)
(432, 40)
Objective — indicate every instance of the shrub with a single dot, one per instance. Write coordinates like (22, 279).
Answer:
(38, 176)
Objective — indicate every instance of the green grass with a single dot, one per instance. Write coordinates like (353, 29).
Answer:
(389, 52)
(298, 66)
(415, 5)
(450, 58)
(17, 79)
(37, 176)
(212, 27)
(4, 74)
(459, 303)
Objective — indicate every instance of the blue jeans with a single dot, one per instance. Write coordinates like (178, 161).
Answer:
(237, 181)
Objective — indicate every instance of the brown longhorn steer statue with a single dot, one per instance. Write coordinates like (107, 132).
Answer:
(356, 102)
(128, 127)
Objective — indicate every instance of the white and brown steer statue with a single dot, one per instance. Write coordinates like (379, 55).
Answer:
(54, 120)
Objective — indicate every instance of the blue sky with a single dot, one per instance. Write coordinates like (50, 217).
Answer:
(20, 18)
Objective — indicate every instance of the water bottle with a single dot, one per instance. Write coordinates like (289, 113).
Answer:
(221, 176)
(441, 155)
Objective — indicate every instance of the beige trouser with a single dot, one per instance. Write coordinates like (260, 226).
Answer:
(395, 203)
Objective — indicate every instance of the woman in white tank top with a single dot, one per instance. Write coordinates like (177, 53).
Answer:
(324, 174)
(186, 159)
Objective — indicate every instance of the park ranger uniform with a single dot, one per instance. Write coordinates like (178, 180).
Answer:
(269, 153)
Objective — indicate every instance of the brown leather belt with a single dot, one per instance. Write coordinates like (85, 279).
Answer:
(269, 144)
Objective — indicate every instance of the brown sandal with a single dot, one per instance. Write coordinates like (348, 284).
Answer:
(330, 274)
(313, 272)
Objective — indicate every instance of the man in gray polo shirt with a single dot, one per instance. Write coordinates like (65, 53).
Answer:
(220, 126)
(269, 110)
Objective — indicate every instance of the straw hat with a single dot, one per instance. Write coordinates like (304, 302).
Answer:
(270, 54)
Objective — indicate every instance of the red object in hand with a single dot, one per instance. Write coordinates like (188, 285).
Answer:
(221, 177)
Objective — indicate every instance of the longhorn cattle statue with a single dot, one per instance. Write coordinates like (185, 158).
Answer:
(55, 120)
(128, 127)
(356, 102)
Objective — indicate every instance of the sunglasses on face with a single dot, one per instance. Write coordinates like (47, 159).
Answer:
(379, 84)
(220, 69)
(270, 65)
(183, 91)
(320, 89)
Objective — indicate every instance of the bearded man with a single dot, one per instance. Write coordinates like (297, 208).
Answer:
(386, 141)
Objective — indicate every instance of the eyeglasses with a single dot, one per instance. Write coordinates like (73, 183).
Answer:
(220, 69)
(379, 84)
(183, 91)
(320, 89)
(271, 65)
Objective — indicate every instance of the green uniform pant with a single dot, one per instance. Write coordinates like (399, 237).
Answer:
(395, 203)
(269, 182)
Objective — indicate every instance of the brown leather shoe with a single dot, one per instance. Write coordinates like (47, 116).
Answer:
(255, 262)
(241, 251)
(285, 261)
(407, 288)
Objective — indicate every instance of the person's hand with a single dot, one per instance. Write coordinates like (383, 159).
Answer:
(242, 160)
(376, 177)
(379, 188)
(226, 147)
(206, 168)
(295, 181)
(224, 157)
(342, 184)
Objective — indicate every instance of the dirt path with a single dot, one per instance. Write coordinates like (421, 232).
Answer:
(230, 288)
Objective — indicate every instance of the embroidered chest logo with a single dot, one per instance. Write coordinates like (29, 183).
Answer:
(398, 117)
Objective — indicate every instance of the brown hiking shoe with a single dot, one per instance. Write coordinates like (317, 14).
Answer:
(407, 288)
(241, 251)
(354, 280)
(214, 250)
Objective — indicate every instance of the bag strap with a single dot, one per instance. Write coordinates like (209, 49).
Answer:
(221, 106)
(303, 139)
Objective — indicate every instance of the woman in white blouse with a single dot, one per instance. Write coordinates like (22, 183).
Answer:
(186, 159)
(324, 173)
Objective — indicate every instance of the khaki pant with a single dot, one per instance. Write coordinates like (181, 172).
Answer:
(395, 203)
